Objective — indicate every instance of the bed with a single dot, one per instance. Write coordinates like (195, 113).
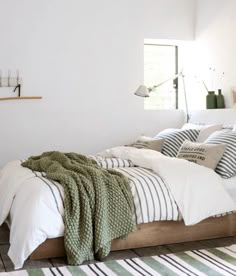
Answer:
(154, 228)
(158, 233)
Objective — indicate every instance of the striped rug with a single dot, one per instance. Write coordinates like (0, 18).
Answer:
(215, 261)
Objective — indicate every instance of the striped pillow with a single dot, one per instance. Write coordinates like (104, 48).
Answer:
(227, 165)
(174, 139)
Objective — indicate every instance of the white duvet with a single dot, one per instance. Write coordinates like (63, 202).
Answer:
(34, 216)
(197, 190)
(31, 209)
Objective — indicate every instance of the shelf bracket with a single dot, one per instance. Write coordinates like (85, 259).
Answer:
(19, 89)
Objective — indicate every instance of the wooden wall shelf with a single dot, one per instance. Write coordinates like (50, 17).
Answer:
(21, 98)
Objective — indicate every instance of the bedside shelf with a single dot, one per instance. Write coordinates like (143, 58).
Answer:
(21, 98)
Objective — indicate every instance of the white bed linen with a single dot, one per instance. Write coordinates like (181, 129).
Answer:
(230, 186)
(197, 190)
(35, 215)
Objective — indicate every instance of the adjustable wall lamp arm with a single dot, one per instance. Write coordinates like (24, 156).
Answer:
(180, 74)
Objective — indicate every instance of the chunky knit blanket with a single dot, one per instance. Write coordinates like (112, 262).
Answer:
(98, 203)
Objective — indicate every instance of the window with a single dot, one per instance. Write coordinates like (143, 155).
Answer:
(160, 64)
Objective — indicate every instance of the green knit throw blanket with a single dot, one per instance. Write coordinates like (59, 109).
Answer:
(98, 203)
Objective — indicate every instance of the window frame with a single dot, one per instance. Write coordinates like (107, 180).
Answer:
(176, 81)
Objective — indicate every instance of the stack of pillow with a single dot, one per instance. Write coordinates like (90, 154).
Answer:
(207, 145)
(219, 148)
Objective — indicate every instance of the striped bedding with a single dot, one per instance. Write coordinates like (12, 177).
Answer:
(196, 189)
(152, 198)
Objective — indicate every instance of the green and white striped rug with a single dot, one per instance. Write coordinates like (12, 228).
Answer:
(215, 261)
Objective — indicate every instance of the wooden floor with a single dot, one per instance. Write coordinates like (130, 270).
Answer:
(6, 264)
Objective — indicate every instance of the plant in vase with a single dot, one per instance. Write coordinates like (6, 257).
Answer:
(212, 100)
(220, 102)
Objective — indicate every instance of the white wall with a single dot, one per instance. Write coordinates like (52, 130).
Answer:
(86, 59)
(215, 46)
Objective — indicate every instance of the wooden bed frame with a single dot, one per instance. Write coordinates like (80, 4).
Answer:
(152, 234)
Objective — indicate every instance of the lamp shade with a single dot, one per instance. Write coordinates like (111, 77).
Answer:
(142, 91)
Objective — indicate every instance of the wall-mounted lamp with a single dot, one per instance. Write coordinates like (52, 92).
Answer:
(144, 91)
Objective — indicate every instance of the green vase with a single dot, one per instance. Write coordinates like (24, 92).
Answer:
(220, 100)
(211, 101)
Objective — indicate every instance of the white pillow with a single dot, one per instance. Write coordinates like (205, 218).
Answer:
(205, 130)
